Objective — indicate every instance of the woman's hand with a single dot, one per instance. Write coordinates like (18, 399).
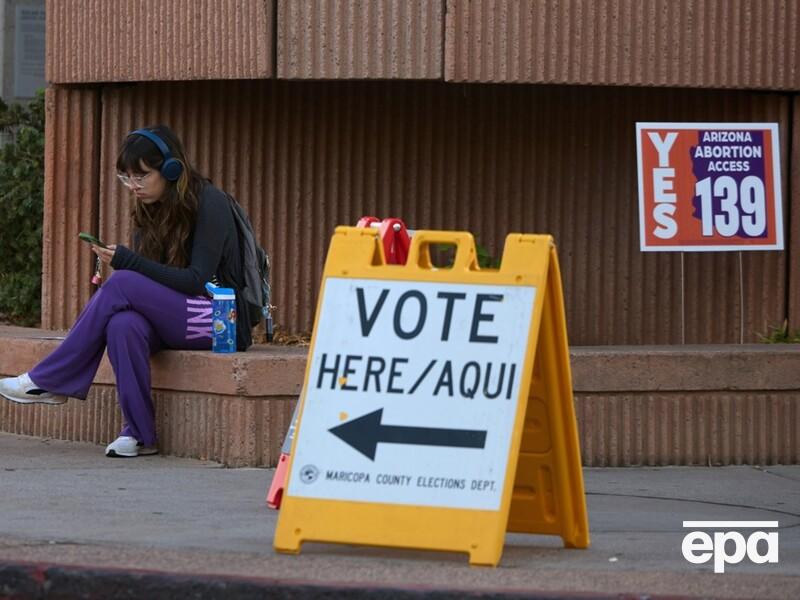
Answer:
(105, 254)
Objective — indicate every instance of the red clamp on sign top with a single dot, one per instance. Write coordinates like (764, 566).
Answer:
(396, 242)
(367, 221)
(394, 236)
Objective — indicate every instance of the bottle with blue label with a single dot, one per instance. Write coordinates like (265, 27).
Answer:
(223, 318)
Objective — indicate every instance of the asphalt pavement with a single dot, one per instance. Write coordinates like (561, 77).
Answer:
(72, 520)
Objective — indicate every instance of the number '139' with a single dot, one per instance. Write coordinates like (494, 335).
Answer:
(740, 205)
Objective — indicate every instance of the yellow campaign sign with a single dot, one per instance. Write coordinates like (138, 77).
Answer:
(437, 410)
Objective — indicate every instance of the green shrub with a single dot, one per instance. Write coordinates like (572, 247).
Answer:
(781, 335)
(21, 202)
(443, 255)
(486, 260)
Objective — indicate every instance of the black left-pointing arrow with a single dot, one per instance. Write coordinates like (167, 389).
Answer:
(366, 432)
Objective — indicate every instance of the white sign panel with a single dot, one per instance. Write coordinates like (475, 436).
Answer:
(412, 393)
(29, 50)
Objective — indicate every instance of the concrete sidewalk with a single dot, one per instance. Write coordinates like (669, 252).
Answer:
(65, 504)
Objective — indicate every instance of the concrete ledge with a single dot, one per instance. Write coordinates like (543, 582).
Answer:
(263, 370)
(635, 405)
(685, 368)
(266, 370)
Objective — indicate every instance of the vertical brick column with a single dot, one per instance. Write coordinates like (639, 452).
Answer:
(72, 153)
(792, 217)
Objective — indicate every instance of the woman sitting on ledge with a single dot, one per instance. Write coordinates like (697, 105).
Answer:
(184, 236)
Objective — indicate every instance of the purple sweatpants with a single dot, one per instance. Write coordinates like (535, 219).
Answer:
(134, 317)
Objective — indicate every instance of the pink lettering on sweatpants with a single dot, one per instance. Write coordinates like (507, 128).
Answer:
(198, 318)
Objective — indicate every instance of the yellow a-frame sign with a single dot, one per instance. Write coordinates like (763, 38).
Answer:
(437, 409)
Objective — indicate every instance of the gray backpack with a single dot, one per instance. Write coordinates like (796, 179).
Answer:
(255, 264)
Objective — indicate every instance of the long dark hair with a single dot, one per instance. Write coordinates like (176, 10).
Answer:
(163, 227)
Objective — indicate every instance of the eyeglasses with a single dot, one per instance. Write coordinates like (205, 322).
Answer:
(134, 181)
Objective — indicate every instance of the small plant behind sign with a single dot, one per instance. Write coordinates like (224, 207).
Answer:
(443, 256)
(486, 260)
(781, 335)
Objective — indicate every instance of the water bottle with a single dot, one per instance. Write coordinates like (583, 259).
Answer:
(223, 318)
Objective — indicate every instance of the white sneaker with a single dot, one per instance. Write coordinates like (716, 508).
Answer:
(128, 447)
(22, 390)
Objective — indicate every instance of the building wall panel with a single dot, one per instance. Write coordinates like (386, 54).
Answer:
(72, 166)
(353, 39)
(622, 430)
(306, 156)
(143, 40)
(615, 430)
(692, 43)
(231, 430)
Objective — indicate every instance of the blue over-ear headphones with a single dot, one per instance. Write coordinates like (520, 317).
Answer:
(172, 168)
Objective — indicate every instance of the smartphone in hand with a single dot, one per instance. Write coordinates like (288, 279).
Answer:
(86, 237)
